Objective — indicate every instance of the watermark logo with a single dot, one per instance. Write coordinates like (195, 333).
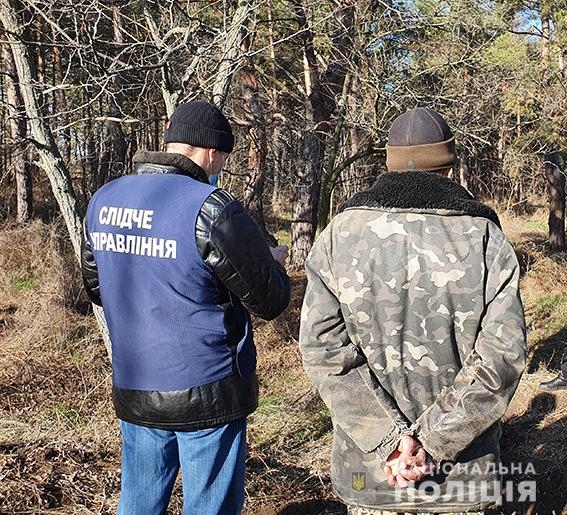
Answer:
(465, 483)
(359, 481)
(470, 492)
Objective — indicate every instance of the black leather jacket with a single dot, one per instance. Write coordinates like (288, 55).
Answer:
(225, 236)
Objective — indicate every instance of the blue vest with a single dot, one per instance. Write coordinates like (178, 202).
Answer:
(166, 313)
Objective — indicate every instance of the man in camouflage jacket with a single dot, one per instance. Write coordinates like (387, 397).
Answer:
(413, 331)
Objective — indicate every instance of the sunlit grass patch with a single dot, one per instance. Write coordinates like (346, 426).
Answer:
(535, 226)
(549, 311)
(23, 285)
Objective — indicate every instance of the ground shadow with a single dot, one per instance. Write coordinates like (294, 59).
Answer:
(314, 508)
(289, 489)
(548, 352)
(534, 452)
(529, 250)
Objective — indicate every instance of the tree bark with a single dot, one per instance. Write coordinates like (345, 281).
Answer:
(321, 92)
(230, 61)
(545, 48)
(332, 173)
(556, 188)
(49, 155)
(279, 157)
(552, 159)
(306, 194)
(60, 102)
(256, 141)
(113, 161)
(48, 152)
(17, 122)
(277, 140)
(91, 145)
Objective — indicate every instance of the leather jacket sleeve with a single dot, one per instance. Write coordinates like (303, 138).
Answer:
(231, 243)
(88, 268)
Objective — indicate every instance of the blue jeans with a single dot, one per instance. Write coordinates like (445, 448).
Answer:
(212, 469)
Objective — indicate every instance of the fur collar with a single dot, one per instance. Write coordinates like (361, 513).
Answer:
(146, 161)
(420, 190)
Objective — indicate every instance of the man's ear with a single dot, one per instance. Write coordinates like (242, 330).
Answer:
(212, 153)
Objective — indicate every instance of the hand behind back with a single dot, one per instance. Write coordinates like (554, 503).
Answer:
(408, 463)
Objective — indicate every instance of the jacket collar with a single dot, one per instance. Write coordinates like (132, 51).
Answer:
(148, 162)
(420, 191)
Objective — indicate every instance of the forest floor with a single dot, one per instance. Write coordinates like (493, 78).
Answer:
(59, 439)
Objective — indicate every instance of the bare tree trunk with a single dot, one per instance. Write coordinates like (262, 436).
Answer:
(60, 102)
(552, 160)
(556, 189)
(169, 93)
(360, 174)
(253, 113)
(92, 154)
(277, 146)
(17, 122)
(48, 152)
(235, 34)
(332, 174)
(113, 160)
(321, 93)
(49, 155)
(545, 49)
(306, 194)
(279, 158)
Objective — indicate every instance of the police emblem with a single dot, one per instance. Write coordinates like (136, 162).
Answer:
(359, 481)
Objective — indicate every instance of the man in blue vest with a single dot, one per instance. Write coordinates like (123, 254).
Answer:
(178, 265)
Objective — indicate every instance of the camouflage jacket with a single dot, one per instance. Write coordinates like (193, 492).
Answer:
(412, 323)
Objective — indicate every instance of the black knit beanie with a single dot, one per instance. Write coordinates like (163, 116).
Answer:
(199, 124)
(420, 140)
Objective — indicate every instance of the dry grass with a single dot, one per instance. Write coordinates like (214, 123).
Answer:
(58, 444)
(59, 440)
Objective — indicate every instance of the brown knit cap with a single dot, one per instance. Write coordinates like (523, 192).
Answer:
(420, 140)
